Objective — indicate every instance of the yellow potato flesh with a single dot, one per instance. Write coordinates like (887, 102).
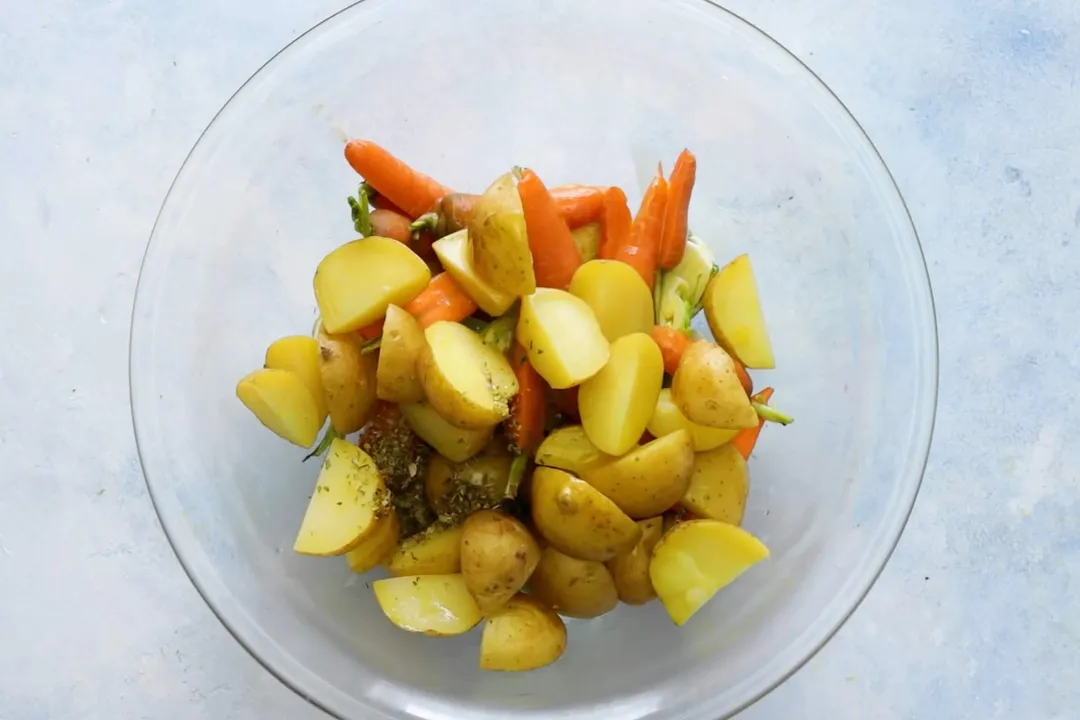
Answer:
(719, 485)
(562, 337)
(300, 354)
(346, 505)
(467, 382)
(355, 283)
(733, 310)
(432, 552)
(668, 418)
(396, 377)
(349, 379)
(630, 571)
(617, 295)
(697, 558)
(573, 587)
(587, 241)
(499, 240)
(577, 519)
(524, 634)
(570, 449)
(650, 479)
(281, 401)
(617, 402)
(435, 605)
(707, 390)
(448, 440)
(377, 546)
(455, 253)
(498, 554)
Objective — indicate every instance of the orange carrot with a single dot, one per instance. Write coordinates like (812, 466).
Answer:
(680, 185)
(410, 190)
(527, 408)
(614, 223)
(381, 203)
(642, 248)
(372, 331)
(745, 441)
(555, 256)
(744, 377)
(579, 204)
(387, 223)
(442, 299)
(672, 344)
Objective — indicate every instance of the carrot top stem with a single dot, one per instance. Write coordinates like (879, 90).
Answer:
(360, 206)
(766, 412)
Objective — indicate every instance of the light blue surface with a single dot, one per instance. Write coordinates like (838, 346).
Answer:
(974, 108)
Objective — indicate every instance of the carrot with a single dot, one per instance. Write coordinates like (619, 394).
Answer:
(579, 205)
(448, 215)
(387, 223)
(680, 185)
(746, 439)
(442, 299)
(381, 203)
(527, 408)
(372, 331)
(555, 256)
(672, 344)
(744, 377)
(614, 223)
(642, 248)
(410, 190)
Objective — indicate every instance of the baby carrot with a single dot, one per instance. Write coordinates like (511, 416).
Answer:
(372, 331)
(387, 223)
(442, 299)
(381, 203)
(410, 190)
(527, 408)
(615, 223)
(680, 185)
(555, 256)
(746, 439)
(642, 248)
(579, 205)
(448, 215)
(744, 377)
(672, 344)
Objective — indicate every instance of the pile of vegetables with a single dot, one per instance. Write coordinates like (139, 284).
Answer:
(541, 433)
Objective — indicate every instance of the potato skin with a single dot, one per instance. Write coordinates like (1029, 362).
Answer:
(650, 479)
(499, 240)
(707, 389)
(667, 418)
(569, 448)
(577, 519)
(436, 551)
(377, 546)
(719, 485)
(498, 555)
(524, 634)
(630, 571)
(397, 379)
(573, 587)
(349, 379)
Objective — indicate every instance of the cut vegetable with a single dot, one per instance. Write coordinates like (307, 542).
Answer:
(668, 418)
(650, 479)
(397, 379)
(618, 401)
(562, 336)
(524, 634)
(498, 554)
(576, 518)
(435, 605)
(377, 546)
(619, 298)
(630, 571)
(570, 449)
(455, 253)
(349, 378)
(719, 485)
(436, 551)
(281, 401)
(500, 242)
(448, 440)
(573, 587)
(734, 313)
(300, 354)
(707, 390)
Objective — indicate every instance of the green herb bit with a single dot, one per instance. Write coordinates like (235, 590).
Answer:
(329, 435)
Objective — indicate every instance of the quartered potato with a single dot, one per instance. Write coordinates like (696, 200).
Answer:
(573, 587)
(436, 605)
(498, 554)
(668, 418)
(576, 518)
(349, 380)
(467, 382)
(397, 379)
(281, 401)
(570, 449)
(377, 546)
(630, 571)
(719, 485)
(455, 253)
(734, 313)
(562, 336)
(347, 504)
(617, 295)
(355, 283)
(617, 402)
(481, 480)
(706, 388)
(450, 441)
(500, 242)
(650, 479)
(697, 558)
(436, 551)
(299, 354)
(524, 634)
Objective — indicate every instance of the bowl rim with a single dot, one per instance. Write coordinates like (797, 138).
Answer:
(933, 354)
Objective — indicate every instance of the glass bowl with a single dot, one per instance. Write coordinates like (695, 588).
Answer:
(589, 92)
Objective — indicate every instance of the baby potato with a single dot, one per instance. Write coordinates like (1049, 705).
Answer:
(667, 418)
(396, 377)
(436, 605)
(436, 551)
(455, 253)
(573, 587)
(587, 241)
(449, 441)
(524, 634)
(500, 242)
(630, 571)
(347, 505)
(697, 558)
(649, 480)
(617, 402)
(377, 546)
(569, 448)
(719, 485)
(281, 401)
(617, 295)
(577, 519)
(498, 554)
(733, 311)
(707, 390)
(559, 331)
(355, 283)
(300, 354)
(480, 481)
(467, 382)
(349, 380)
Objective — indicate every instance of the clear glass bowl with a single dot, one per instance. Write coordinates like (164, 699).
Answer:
(591, 92)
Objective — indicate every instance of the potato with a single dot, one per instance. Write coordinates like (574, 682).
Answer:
(349, 379)
(436, 605)
(650, 479)
(500, 242)
(477, 483)
(498, 554)
(355, 283)
(347, 504)
(587, 241)
(377, 546)
(467, 382)
(570, 449)
(396, 377)
(300, 354)
(630, 571)
(719, 485)
(565, 343)
(697, 558)
(617, 402)
(707, 390)
(733, 311)
(449, 441)
(455, 253)
(617, 295)
(577, 519)
(436, 551)
(524, 634)
(668, 418)
(573, 587)
(281, 401)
